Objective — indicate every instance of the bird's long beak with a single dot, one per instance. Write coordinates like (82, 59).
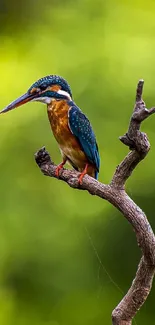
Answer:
(18, 102)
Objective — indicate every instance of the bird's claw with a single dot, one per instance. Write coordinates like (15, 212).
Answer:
(80, 179)
(59, 167)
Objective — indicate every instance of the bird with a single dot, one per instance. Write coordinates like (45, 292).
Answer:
(70, 126)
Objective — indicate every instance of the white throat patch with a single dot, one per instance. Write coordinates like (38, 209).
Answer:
(64, 93)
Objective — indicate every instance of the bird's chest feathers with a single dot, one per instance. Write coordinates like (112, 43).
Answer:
(69, 145)
(58, 117)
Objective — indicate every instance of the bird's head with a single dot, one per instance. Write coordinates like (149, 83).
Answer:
(44, 90)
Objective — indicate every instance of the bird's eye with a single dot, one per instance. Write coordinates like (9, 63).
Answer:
(43, 87)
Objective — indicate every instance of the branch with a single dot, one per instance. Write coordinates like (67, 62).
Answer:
(115, 193)
(137, 141)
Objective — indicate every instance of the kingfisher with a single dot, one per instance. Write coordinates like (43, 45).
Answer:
(71, 128)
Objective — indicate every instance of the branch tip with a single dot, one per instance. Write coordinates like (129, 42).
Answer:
(139, 90)
(42, 157)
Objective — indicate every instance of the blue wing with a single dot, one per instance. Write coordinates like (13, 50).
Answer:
(81, 128)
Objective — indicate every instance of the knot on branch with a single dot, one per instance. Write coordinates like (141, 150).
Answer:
(140, 143)
(42, 157)
(43, 160)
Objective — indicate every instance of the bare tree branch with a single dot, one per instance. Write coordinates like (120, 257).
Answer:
(115, 193)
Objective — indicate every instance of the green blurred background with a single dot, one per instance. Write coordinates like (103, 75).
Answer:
(66, 257)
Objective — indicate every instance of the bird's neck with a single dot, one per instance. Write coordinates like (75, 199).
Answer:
(54, 102)
(57, 105)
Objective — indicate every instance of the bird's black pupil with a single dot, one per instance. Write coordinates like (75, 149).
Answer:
(43, 86)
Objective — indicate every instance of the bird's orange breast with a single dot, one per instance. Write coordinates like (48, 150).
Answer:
(58, 117)
(69, 145)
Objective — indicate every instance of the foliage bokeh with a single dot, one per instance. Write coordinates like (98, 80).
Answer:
(66, 257)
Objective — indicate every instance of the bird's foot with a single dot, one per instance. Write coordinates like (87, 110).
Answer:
(83, 174)
(59, 167)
